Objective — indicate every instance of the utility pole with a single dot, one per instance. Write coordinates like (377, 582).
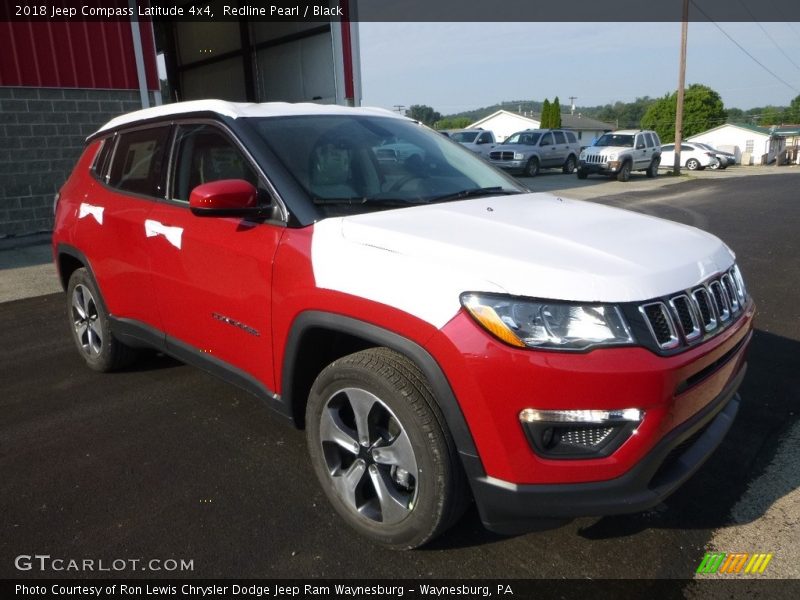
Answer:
(676, 167)
(399, 107)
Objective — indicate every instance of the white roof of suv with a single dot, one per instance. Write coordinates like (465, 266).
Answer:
(235, 110)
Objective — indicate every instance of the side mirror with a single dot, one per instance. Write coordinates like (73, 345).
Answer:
(224, 198)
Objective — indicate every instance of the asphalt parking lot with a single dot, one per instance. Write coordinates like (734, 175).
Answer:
(163, 461)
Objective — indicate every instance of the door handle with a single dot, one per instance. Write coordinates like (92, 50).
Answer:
(172, 234)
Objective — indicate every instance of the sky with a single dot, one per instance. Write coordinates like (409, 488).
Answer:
(462, 66)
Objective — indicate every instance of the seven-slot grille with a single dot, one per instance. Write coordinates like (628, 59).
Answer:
(501, 155)
(686, 316)
(596, 158)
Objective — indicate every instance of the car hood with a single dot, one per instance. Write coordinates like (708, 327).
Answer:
(607, 149)
(515, 147)
(536, 245)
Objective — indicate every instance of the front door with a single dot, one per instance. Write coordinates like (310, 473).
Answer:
(213, 275)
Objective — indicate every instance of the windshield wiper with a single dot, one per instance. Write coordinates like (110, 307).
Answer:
(475, 193)
(365, 200)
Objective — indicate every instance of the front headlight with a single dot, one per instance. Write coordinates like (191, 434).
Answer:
(548, 324)
(612, 156)
(518, 156)
(582, 155)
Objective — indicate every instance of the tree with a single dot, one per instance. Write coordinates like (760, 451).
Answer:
(702, 110)
(424, 114)
(545, 118)
(771, 115)
(555, 116)
(452, 123)
(793, 112)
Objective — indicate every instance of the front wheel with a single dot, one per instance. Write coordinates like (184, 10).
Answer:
(381, 451)
(624, 172)
(532, 168)
(582, 174)
(693, 164)
(569, 165)
(715, 164)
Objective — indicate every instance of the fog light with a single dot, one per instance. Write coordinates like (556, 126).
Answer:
(579, 433)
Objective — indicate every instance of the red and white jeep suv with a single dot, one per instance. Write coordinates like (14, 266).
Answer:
(442, 334)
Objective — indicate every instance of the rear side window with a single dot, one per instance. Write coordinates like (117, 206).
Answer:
(100, 166)
(571, 137)
(139, 161)
(560, 139)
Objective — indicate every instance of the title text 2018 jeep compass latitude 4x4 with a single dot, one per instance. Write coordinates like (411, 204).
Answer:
(442, 334)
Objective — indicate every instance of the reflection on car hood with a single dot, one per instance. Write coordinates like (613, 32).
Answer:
(607, 149)
(537, 245)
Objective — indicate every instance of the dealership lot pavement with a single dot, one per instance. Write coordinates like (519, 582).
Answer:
(163, 461)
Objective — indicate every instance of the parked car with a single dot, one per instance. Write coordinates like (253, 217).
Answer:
(527, 152)
(478, 140)
(440, 333)
(724, 159)
(693, 157)
(619, 153)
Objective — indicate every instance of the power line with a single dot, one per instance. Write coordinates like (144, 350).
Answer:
(755, 60)
(774, 43)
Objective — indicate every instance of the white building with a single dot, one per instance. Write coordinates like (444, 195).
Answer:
(503, 123)
(751, 144)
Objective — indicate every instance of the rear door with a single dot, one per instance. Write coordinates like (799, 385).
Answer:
(128, 182)
(213, 275)
(641, 151)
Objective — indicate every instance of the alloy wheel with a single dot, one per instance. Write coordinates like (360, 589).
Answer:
(85, 320)
(369, 457)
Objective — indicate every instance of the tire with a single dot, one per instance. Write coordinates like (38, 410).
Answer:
(569, 165)
(582, 174)
(693, 164)
(624, 172)
(91, 328)
(532, 168)
(715, 164)
(381, 450)
(652, 170)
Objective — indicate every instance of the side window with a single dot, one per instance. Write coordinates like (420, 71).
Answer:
(139, 160)
(203, 154)
(560, 138)
(571, 137)
(685, 148)
(547, 140)
(640, 143)
(656, 139)
(485, 138)
(669, 148)
(100, 166)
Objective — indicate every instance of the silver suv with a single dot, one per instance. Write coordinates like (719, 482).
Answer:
(618, 153)
(528, 151)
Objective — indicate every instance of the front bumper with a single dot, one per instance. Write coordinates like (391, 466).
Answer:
(509, 508)
(512, 166)
(598, 167)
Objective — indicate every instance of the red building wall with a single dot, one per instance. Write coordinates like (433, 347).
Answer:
(76, 54)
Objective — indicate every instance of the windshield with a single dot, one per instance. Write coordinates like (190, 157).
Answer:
(526, 138)
(464, 136)
(350, 164)
(615, 139)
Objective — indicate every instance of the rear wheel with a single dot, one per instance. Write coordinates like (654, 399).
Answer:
(693, 164)
(652, 170)
(91, 328)
(532, 168)
(624, 171)
(569, 165)
(381, 450)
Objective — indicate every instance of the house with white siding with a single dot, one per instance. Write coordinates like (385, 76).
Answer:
(503, 123)
(752, 145)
